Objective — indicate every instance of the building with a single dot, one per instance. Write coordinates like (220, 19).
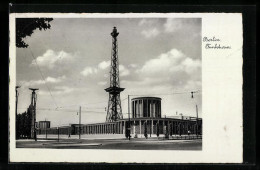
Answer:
(44, 124)
(146, 114)
(146, 107)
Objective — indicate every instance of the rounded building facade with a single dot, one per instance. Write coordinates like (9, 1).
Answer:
(146, 107)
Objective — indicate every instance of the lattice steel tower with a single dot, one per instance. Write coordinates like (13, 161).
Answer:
(114, 111)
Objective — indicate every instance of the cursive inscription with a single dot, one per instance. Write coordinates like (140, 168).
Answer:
(214, 43)
(206, 39)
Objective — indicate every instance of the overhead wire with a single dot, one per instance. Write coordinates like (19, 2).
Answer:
(43, 77)
(185, 92)
(91, 108)
(86, 106)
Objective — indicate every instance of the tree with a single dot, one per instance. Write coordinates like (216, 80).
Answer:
(26, 26)
(18, 126)
(24, 124)
(28, 122)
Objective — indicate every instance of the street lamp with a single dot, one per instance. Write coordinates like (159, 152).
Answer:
(197, 129)
(150, 126)
(16, 104)
(16, 94)
(45, 128)
(79, 113)
(58, 130)
(128, 129)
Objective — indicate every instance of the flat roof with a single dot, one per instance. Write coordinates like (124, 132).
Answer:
(146, 97)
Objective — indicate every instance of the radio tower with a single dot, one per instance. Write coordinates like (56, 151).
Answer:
(114, 111)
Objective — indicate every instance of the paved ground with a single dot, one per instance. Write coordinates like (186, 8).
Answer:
(124, 144)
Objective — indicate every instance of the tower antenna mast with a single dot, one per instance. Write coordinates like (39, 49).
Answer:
(114, 110)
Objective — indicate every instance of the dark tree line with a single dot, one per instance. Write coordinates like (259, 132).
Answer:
(26, 26)
(23, 124)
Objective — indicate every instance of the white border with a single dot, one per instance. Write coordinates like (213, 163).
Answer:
(221, 98)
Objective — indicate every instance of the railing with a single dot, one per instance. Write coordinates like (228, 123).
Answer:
(185, 137)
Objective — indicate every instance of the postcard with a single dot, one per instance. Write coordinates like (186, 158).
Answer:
(126, 87)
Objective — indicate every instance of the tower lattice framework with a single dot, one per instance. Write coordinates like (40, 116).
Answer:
(114, 111)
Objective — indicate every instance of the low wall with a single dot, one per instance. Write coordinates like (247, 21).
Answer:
(84, 136)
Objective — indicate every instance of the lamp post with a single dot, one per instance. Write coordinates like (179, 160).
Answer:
(16, 104)
(16, 94)
(45, 128)
(128, 129)
(79, 121)
(197, 124)
(150, 126)
(58, 130)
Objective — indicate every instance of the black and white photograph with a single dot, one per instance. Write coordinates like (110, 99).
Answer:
(114, 83)
(117, 87)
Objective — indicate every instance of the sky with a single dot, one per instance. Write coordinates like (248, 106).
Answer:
(70, 63)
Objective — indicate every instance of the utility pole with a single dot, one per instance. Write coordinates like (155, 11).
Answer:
(16, 104)
(128, 128)
(45, 128)
(33, 106)
(16, 94)
(196, 112)
(79, 121)
(58, 133)
(150, 121)
(150, 126)
(197, 127)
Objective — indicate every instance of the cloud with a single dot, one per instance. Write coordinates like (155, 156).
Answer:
(150, 33)
(40, 82)
(133, 65)
(192, 84)
(50, 58)
(58, 90)
(55, 80)
(103, 65)
(163, 63)
(172, 24)
(32, 83)
(91, 70)
(147, 22)
(150, 27)
(63, 89)
(172, 68)
(175, 24)
(123, 71)
(88, 71)
(190, 65)
(102, 83)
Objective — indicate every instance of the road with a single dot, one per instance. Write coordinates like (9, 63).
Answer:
(123, 144)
